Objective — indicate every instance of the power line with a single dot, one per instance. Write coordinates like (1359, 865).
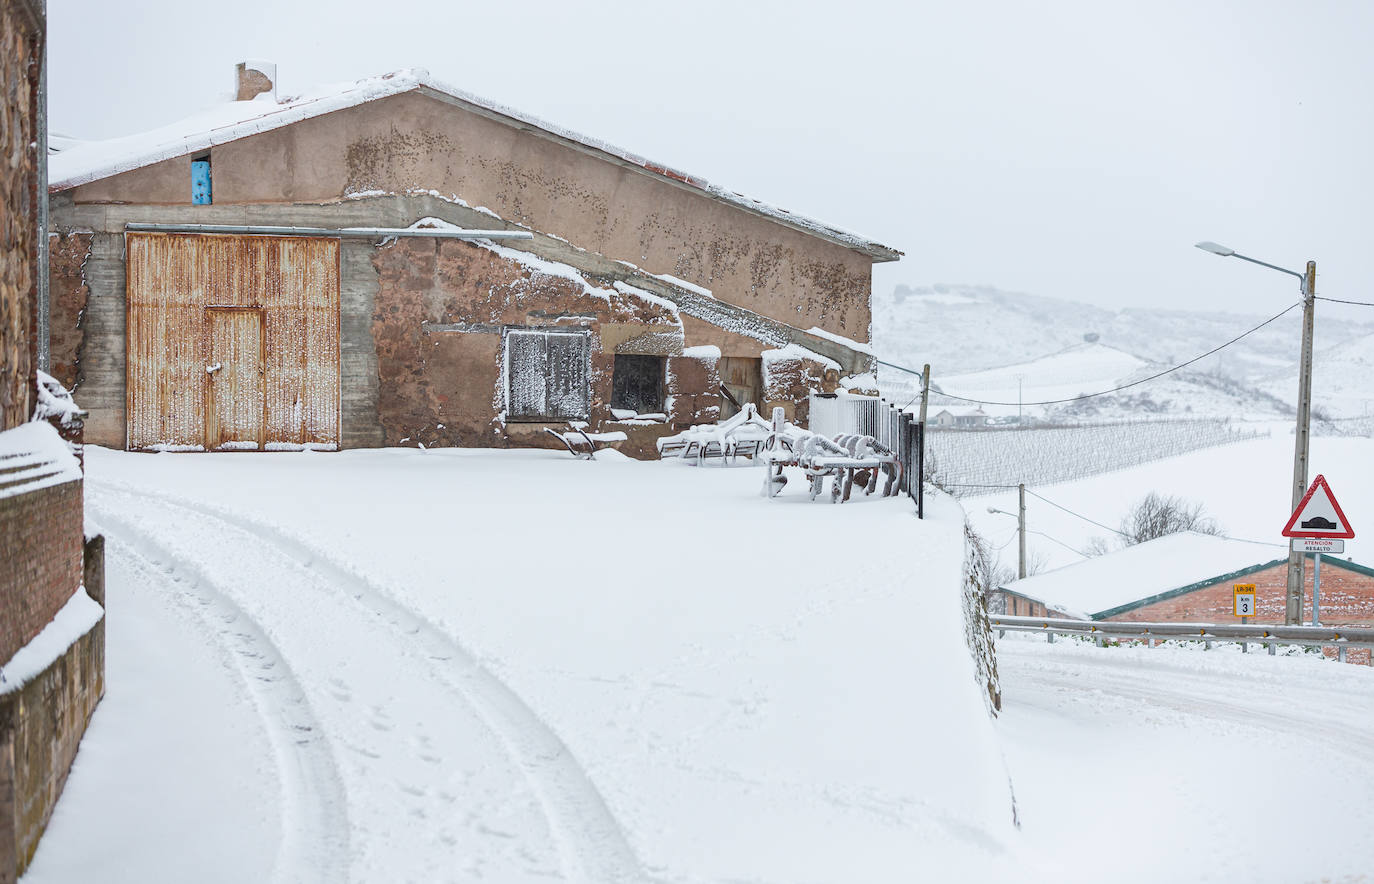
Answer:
(1145, 380)
(1072, 513)
(1060, 542)
(1341, 301)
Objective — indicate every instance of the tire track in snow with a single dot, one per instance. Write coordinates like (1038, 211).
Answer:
(591, 844)
(314, 838)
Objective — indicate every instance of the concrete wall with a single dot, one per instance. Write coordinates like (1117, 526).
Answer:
(414, 142)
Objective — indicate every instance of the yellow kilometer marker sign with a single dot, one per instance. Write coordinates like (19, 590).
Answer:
(1243, 599)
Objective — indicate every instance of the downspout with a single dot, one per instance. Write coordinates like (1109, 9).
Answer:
(44, 329)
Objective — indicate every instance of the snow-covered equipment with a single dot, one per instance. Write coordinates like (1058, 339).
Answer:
(580, 443)
(846, 459)
(744, 435)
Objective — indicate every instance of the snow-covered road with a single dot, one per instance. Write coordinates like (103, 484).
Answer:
(400, 694)
(1205, 765)
(456, 666)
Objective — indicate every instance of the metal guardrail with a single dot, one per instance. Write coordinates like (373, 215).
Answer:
(1271, 636)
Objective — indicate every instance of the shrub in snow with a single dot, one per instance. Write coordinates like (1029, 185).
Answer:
(1157, 515)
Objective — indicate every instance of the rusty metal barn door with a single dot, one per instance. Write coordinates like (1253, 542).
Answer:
(235, 380)
(200, 299)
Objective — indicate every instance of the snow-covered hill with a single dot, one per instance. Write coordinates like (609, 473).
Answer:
(1342, 379)
(981, 341)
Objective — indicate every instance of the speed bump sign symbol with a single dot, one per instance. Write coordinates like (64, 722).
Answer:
(1243, 599)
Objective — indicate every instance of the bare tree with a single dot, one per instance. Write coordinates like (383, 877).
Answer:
(1156, 515)
(1097, 546)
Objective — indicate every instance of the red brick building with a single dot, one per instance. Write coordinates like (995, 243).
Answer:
(1189, 577)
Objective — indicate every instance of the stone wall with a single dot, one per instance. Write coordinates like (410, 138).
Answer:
(68, 293)
(21, 54)
(440, 310)
(41, 726)
(789, 382)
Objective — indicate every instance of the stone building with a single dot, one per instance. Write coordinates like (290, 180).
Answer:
(642, 300)
(51, 629)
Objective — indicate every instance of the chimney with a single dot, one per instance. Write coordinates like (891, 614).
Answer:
(254, 77)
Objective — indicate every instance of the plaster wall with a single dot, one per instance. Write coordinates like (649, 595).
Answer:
(416, 142)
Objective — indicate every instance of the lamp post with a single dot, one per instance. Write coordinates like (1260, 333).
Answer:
(1293, 602)
(1020, 530)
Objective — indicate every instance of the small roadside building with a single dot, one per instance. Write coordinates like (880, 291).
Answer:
(312, 272)
(1188, 577)
(964, 418)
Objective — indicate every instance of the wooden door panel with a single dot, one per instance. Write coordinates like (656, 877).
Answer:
(235, 380)
(743, 377)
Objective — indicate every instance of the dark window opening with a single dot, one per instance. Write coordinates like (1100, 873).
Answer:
(637, 384)
(547, 375)
(201, 190)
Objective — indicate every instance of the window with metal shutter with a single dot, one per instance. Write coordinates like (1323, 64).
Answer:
(547, 375)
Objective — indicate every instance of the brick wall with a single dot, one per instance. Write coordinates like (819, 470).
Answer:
(40, 560)
(1347, 599)
(1015, 605)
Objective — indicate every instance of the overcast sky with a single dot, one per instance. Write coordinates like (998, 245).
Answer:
(1073, 149)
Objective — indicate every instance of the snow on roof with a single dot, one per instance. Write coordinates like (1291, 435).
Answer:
(1142, 571)
(84, 162)
(857, 346)
(795, 351)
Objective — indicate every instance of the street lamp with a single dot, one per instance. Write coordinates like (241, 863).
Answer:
(1293, 602)
(1020, 530)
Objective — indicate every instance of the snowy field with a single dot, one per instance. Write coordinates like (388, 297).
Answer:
(1246, 486)
(466, 665)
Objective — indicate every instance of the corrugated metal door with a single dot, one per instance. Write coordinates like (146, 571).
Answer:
(177, 283)
(234, 394)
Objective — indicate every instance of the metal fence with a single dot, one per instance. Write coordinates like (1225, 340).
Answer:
(835, 414)
(1044, 454)
(1271, 636)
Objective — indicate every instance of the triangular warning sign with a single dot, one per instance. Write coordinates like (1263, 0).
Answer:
(1318, 515)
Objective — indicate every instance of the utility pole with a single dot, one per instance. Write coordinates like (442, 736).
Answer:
(1021, 532)
(925, 392)
(1292, 614)
(1293, 601)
